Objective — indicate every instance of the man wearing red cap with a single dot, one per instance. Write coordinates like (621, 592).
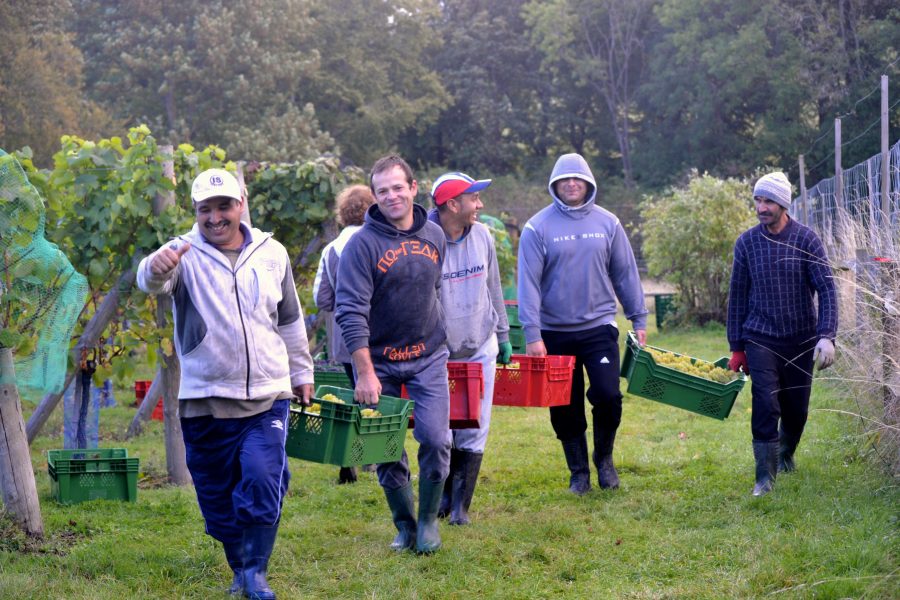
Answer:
(477, 327)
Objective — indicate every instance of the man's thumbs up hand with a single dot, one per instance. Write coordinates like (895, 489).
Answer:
(168, 258)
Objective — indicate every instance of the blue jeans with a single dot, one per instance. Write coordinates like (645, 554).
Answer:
(597, 351)
(239, 468)
(781, 380)
(426, 382)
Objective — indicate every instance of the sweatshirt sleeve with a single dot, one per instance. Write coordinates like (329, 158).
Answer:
(626, 280)
(823, 281)
(323, 290)
(292, 329)
(156, 284)
(738, 298)
(496, 291)
(353, 296)
(531, 269)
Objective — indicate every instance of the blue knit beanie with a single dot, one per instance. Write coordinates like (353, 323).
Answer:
(775, 187)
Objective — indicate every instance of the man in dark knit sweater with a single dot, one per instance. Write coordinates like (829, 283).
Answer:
(774, 332)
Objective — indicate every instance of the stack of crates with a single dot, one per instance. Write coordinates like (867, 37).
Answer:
(98, 473)
(516, 333)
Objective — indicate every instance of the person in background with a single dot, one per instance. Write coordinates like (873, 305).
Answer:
(389, 310)
(773, 329)
(477, 326)
(351, 206)
(241, 340)
(574, 262)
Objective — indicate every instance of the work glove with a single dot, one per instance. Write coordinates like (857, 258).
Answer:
(823, 355)
(505, 353)
(738, 362)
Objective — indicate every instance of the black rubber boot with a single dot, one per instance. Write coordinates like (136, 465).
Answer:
(428, 536)
(347, 475)
(403, 512)
(235, 558)
(766, 456)
(787, 445)
(447, 494)
(258, 543)
(577, 459)
(464, 481)
(604, 439)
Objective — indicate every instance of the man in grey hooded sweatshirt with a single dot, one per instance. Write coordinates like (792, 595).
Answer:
(574, 262)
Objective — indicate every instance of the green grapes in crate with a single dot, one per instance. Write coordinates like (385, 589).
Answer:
(697, 368)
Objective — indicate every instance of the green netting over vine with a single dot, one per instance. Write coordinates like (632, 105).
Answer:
(41, 294)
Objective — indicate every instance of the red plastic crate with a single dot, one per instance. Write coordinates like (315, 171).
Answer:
(466, 382)
(534, 381)
(158, 411)
(140, 390)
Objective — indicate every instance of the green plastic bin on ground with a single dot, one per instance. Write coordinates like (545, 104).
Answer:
(516, 333)
(92, 474)
(664, 306)
(669, 386)
(340, 435)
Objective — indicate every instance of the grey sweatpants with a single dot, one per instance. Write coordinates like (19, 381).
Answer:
(426, 383)
(474, 440)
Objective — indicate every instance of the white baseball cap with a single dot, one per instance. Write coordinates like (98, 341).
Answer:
(213, 183)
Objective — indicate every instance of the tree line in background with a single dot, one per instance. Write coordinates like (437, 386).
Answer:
(648, 89)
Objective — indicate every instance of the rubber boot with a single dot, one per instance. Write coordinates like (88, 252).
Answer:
(604, 439)
(347, 475)
(235, 558)
(787, 445)
(464, 481)
(402, 506)
(766, 456)
(258, 544)
(575, 450)
(428, 536)
(447, 495)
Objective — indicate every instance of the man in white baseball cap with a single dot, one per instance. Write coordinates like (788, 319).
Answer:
(241, 340)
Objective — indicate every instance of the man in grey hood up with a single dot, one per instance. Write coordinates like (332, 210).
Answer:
(574, 262)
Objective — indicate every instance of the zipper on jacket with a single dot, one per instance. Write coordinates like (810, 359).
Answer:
(237, 298)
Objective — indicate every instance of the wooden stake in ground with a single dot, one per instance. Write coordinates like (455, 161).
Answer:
(16, 475)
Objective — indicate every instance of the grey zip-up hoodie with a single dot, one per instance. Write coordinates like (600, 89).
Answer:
(471, 294)
(239, 331)
(574, 262)
(388, 288)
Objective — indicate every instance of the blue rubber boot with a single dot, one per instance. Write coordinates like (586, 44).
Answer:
(235, 558)
(428, 537)
(766, 456)
(258, 544)
(403, 512)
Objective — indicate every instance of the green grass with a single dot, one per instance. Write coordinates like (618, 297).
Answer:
(683, 525)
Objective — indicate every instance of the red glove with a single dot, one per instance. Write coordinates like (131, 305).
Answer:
(738, 361)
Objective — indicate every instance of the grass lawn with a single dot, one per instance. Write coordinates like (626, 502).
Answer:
(683, 524)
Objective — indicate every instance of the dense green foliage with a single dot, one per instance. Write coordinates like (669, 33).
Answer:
(689, 238)
(647, 89)
(100, 196)
(683, 525)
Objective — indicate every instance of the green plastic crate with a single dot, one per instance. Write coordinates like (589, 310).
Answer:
(333, 379)
(663, 384)
(97, 473)
(512, 313)
(664, 305)
(517, 339)
(339, 435)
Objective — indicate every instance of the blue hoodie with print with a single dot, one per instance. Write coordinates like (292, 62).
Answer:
(574, 262)
(388, 288)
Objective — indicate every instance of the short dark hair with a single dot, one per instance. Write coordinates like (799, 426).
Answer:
(352, 203)
(388, 162)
